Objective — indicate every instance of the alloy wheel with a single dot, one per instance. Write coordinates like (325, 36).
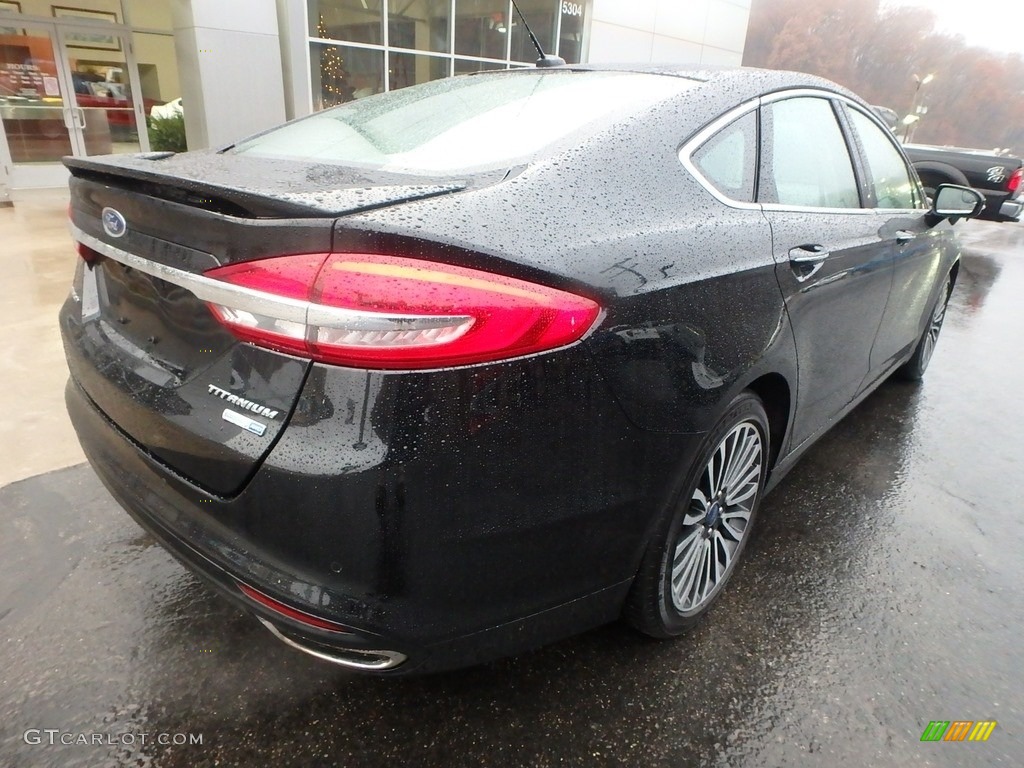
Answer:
(718, 518)
(935, 325)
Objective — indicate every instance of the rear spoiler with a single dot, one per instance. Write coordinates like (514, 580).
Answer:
(260, 189)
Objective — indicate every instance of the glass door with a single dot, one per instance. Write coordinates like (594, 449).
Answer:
(34, 105)
(106, 114)
(65, 89)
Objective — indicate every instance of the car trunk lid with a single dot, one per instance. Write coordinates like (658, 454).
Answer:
(141, 343)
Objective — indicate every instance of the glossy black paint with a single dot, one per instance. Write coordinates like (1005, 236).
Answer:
(456, 515)
(835, 312)
(401, 518)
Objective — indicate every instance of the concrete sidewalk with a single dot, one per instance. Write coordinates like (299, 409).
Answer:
(38, 264)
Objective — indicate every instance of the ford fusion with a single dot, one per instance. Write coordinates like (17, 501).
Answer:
(451, 372)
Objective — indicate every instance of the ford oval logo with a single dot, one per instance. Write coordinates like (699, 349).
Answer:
(113, 222)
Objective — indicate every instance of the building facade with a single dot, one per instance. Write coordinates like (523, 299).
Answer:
(83, 78)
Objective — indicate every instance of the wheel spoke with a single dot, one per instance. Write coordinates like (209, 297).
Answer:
(742, 460)
(728, 527)
(692, 591)
(740, 498)
(719, 566)
(726, 550)
(751, 489)
(737, 515)
(683, 551)
(751, 456)
(929, 347)
(708, 582)
(931, 338)
(688, 578)
(694, 516)
(681, 573)
(716, 468)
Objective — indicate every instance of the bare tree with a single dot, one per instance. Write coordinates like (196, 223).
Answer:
(974, 98)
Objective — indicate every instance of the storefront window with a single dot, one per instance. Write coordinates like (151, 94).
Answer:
(542, 17)
(341, 73)
(481, 28)
(422, 25)
(465, 66)
(410, 69)
(460, 36)
(355, 21)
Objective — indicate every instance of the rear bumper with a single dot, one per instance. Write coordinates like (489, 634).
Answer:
(426, 594)
(168, 508)
(1012, 209)
(1000, 207)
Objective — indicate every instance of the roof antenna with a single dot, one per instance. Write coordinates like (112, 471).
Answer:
(544, 60)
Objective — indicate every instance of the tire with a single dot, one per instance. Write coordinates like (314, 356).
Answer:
(914, 368)
(679, 581)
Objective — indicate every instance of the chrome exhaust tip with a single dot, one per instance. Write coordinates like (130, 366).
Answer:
(352, 658)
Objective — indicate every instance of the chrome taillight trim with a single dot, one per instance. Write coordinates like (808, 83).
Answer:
(259, 302)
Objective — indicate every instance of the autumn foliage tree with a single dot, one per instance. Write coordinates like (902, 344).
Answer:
(976, 98)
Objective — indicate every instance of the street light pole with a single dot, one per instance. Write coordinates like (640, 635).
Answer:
(917, 108)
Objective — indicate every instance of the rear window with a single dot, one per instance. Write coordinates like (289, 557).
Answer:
(462, 124)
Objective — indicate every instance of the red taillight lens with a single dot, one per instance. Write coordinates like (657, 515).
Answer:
(1015, 180)
(374, 311)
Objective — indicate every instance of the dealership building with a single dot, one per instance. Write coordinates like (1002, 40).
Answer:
(80, 77)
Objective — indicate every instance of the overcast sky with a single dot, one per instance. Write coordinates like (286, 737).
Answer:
(989, 23)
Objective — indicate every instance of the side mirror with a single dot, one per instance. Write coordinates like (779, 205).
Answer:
(954, 202)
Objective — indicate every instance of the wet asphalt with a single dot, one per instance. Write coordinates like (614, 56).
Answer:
(882, 592)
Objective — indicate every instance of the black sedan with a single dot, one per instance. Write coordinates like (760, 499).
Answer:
(458, 370)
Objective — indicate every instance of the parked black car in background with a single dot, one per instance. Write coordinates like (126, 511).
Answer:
(457, 370)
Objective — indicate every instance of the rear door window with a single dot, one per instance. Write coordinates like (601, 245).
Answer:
(805, 160)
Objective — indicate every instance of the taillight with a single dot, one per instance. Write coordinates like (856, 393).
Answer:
(1013, 185)
(374, 311)
(88, 254)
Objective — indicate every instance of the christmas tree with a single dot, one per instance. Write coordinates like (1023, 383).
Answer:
(334, 87)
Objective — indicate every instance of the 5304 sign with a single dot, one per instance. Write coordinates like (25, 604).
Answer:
(572, 9)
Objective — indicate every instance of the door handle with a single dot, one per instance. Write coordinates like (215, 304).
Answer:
(904, 236)
(808, 254)
(80, 116)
